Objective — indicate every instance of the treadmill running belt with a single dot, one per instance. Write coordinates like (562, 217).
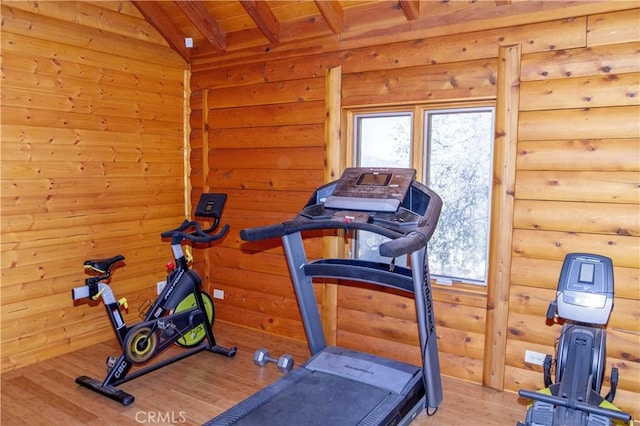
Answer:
(317, 399)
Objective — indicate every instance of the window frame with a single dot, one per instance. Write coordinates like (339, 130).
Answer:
(419, 160)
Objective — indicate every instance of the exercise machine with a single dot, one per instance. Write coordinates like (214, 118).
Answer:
(182, 314)
(339, 386)
(584, 300)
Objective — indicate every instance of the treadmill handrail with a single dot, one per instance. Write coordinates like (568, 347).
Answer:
(409, 243)
(300, 224)
(401, 243)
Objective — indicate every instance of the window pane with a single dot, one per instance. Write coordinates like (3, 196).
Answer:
(381, 141)
(459, 163)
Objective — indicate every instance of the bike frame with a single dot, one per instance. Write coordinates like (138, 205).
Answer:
(181, 282)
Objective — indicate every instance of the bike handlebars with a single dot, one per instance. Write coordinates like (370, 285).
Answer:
(96, 285)
(198, 235)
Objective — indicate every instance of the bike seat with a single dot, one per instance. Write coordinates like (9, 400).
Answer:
(103, 266)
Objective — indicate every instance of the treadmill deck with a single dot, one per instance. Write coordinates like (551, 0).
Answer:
(335, 387)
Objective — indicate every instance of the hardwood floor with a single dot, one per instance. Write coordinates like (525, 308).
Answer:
(196, 389)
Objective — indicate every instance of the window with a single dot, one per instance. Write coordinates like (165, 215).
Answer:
(452, 150)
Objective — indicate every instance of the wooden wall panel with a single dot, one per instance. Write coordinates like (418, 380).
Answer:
(302, 90)
(592, 218)
(465, 80)
(576, 174)
(613, 187)
(304, 135)
(578, 191)
(585, 154)
(92, 166)
(613, 28)
(580, 123)
(585, 92)
(93, 144)
(608, 59)
(265, 149)
(27, 19)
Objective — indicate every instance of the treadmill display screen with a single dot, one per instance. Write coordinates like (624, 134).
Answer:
(374, 179)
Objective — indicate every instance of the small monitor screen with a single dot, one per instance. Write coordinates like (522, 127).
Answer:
(586, 273)
(210, 205)
(374, 179)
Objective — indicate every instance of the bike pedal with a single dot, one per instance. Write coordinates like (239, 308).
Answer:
(111, 361)
(168, 328)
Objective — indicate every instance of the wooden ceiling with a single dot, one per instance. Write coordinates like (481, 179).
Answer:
(222, 29)
(218, 28)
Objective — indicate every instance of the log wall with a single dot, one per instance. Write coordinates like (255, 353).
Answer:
(258, 136)
(92, 139)
(577, 190)
(93, 114)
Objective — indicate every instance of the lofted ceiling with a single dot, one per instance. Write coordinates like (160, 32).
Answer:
(218, 28)
(196, 28)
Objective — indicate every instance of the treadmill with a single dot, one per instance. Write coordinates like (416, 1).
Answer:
(339, 386)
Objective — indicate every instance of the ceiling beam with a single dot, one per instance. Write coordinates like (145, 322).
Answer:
(264, 18)
(204, 22)
(411, 9)
(159, 20)
(332, 13)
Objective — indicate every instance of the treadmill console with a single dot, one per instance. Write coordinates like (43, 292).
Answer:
(388, 197)
(385, 201)
(585, 288)
(371, 189)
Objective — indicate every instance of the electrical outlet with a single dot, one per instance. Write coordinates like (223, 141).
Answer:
(533, 357)
(218, 294)
(160, 286)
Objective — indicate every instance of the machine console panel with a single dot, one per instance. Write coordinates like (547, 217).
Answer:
(585, 288)
(384, 196)
(371, 189)
(384, 201)
(211, 205)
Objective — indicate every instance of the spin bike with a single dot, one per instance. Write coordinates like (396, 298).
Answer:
(182, 314)
(584, 299)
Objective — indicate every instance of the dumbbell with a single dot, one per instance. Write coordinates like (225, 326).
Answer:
(261, 358)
